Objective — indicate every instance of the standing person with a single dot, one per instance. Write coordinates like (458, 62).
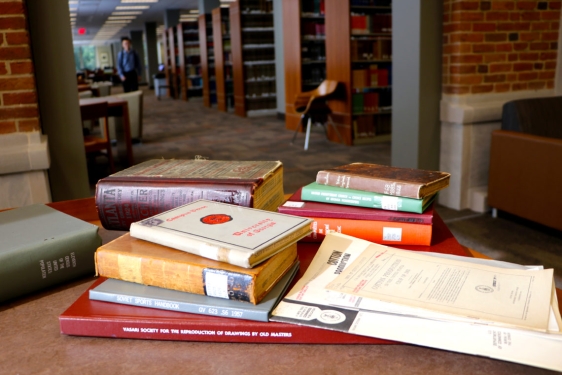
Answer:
(128, 66)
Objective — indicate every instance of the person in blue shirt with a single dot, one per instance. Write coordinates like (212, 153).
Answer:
(128, 66)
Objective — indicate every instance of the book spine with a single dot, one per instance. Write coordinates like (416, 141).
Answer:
(186, 307)
(346, 181)
(50, 262)
(376, 215)
(359, 198)
(205, 331)
(121, 203)
(374, 231)
(190, 278)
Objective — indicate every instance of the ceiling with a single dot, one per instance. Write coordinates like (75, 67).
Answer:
(93, 14)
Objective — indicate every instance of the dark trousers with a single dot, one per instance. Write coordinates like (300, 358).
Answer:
(131, 82)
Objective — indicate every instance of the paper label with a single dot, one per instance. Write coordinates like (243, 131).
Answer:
(392, 234)
(293, 204)
(216, 285)
(389, 203)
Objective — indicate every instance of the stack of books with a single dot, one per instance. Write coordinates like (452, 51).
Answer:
(205, 257)
(377, 203)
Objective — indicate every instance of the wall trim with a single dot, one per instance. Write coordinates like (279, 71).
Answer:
(23, 152)
(469, 109)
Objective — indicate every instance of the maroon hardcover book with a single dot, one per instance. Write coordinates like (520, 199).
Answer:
(156, 186)
(104, 319)
(296, 206)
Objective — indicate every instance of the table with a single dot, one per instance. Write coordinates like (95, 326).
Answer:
(87, 87)
(31, 343)
(118, 108)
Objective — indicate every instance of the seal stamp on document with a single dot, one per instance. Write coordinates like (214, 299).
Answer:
(484, 289)
(331, 317)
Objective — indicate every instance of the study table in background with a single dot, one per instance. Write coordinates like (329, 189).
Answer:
(31, 342)
(118, 108)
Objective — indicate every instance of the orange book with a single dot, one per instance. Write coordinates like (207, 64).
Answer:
(382, 232)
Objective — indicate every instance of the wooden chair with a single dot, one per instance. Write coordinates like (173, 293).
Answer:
(92, 112)
(314, 110)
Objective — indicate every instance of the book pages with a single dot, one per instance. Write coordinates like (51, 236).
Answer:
(518, 298)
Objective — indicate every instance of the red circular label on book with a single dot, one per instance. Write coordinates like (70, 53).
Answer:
(216, 219)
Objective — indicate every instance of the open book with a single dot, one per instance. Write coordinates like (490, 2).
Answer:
(349, 267)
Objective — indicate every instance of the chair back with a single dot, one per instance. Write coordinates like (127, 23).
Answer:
(304, 101)
(93, 111)
(134, 102)
(326, 88)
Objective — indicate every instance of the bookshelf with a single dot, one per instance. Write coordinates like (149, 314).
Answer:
(173, 77)
(207, 59)
(223, 59)
(305, 51)
(191, 80)
(253, 57)
(359, 55)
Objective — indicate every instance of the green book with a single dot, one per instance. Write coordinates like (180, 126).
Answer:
(41, 247)
(357, 103)
(330, 194)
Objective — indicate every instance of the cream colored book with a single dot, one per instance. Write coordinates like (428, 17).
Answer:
(237, 235)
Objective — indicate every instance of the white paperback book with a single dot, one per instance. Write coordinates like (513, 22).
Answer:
(237, 235)
(311, 303)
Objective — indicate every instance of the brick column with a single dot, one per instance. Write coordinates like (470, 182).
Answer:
(24, 156)
(493, 52)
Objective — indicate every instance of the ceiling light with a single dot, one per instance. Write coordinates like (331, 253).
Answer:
(139, 1)
(72, 14)
(117, 22)
(225, 6)
(194, 11)
(126, 13)
(121, 17)
(227, 1)
(125, 7)
(72, 2)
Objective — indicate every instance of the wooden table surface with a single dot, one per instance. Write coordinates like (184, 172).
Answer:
(31, 344)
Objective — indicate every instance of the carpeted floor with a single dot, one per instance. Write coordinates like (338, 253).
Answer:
(178, 129)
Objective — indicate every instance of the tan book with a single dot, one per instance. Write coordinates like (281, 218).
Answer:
(142, 262)
(382, 179)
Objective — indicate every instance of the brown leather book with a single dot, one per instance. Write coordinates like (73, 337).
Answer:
(156, 186)
(142, 262)
(401, 182)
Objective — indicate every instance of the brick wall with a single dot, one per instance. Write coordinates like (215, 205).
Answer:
(499, 46)
(18, 94)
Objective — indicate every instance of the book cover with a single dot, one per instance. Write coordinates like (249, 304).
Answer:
(156, 186)
(316, 192)
(380, 232)
(101, 319)
(236, 235)
(147, 263)
(41, 247)
(127, 293)
(382, 179)
(296, 206)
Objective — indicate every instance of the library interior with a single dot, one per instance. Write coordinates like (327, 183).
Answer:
(91, 88)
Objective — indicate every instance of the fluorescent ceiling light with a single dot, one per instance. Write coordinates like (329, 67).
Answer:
(72, 14)
(139, 1)
(117, 22)
(121, 17)
(194, 11)
(227, 1)
(125, 7)
(72, 2)
(131, 13)
(225, 6)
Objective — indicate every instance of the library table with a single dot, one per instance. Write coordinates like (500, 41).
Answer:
(31, 344)
(118, 108)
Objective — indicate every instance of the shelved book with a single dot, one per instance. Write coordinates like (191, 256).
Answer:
(316, 192)
(382, 179)
(128, 293)
(156, 186)
(143, 262)
(41, 247)
(237, 235)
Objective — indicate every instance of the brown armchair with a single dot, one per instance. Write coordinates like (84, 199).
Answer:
(314, 110)
(526, 161)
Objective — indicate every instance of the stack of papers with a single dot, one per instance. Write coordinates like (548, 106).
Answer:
(474, 306)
